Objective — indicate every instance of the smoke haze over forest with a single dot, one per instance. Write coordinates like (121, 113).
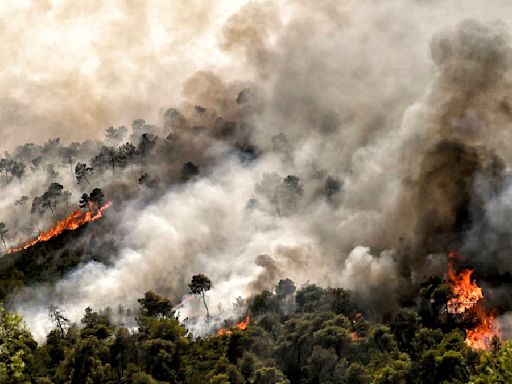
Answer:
(348, 143)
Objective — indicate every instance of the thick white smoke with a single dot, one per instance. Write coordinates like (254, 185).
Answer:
(72, 68)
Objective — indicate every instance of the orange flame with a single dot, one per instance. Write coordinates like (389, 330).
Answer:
(466, 292)
(481, 336)
(468, 298)
(239, 326)
(70, 223)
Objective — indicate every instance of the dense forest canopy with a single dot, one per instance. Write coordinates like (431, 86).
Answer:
(309, 335)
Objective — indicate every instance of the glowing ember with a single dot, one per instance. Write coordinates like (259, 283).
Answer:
(240, 326)
(468, 298)
(70, 223)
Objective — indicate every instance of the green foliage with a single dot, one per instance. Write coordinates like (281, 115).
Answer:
(269, 376)
(446, 362)
(263, 303)
(154, 305)
(312, 336)
(313, 298)
(96, 197)
(16, 346)
(495, 366)
(405, 324)
(96, 324)
(199, 284)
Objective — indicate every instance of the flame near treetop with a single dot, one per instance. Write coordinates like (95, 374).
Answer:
(466, 292)
(467, 299)
(480, 337)
(239, 326)
(70, 223)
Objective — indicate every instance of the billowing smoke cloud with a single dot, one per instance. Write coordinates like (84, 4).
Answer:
(81, 67)
(349, 144)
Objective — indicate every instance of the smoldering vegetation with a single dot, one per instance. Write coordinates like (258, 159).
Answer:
(326, 152)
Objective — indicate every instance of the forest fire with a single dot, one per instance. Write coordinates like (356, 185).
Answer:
(466, 292)
(70, 223)
(481, 336)
(239, 326)
(467, 299)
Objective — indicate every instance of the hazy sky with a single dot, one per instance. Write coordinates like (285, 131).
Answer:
(72, 68)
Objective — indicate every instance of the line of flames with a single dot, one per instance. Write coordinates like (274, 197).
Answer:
(70, 223)
(468, 297)
(239, 326)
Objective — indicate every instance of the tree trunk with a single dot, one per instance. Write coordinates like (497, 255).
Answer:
(206, 306)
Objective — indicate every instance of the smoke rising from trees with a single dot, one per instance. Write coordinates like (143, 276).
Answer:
(348, 144)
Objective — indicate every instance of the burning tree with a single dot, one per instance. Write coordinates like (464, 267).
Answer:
(73, 221)
(199, 285)
(467, 301)
(242, 325)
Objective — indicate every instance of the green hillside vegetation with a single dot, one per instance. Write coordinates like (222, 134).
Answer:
(310, 336)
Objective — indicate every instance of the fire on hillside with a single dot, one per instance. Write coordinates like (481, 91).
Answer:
(239, 326)
(468, 300)
(69, 223)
